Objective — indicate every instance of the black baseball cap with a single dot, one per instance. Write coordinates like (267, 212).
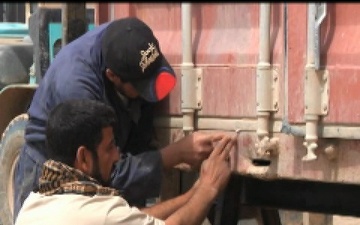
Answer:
(132, 52)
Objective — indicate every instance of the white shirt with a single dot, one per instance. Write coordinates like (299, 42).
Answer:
(80, 209)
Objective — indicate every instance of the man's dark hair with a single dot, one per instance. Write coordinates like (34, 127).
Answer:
(76, 123)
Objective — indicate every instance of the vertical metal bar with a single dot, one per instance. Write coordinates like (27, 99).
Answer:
(270, 216)
(188, 78)
(112, 11)
(310, 59)
(264, 76)
(27, 12)
(103, 14)
(264, 49)
(228, 204)
(73, 21)
(320, 13)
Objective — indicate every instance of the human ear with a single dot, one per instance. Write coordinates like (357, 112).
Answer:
(110, 75)
(84, 160)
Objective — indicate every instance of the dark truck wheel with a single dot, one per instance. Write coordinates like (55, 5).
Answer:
(11, 142)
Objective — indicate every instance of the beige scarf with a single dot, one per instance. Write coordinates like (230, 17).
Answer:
(59, 178)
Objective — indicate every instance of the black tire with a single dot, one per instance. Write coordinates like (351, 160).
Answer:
(11, 142)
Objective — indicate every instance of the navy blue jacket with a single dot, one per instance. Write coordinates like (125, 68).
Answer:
(77, 71)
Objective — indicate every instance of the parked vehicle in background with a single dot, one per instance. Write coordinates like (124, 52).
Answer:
(26, 49)
(16, 59)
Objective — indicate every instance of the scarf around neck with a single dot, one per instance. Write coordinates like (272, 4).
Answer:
(59, 178)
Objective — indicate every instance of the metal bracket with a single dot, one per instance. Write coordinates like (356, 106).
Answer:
(191, 93)
(325, 92)
(267, 90)
(275, 90)
(317, 92)
(199, 75)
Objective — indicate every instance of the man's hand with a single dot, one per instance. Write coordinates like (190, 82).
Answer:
(197, 147)
(189, 152)
(215, 171)
(193, 206)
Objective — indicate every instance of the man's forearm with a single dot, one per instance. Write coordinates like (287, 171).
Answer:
(195, 210)
(171, 155)
(164, 209)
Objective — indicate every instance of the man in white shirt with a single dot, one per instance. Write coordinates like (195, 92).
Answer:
(74, 185)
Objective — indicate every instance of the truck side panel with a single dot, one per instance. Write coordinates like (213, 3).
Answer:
(225, 46)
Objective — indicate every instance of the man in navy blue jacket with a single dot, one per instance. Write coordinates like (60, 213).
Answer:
(121, 64)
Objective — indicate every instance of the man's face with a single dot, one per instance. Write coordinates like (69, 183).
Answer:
(107, 155)
(125, 88)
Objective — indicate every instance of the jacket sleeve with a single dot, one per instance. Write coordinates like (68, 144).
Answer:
(138, 177)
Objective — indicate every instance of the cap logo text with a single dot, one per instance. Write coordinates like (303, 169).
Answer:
(148, 56)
